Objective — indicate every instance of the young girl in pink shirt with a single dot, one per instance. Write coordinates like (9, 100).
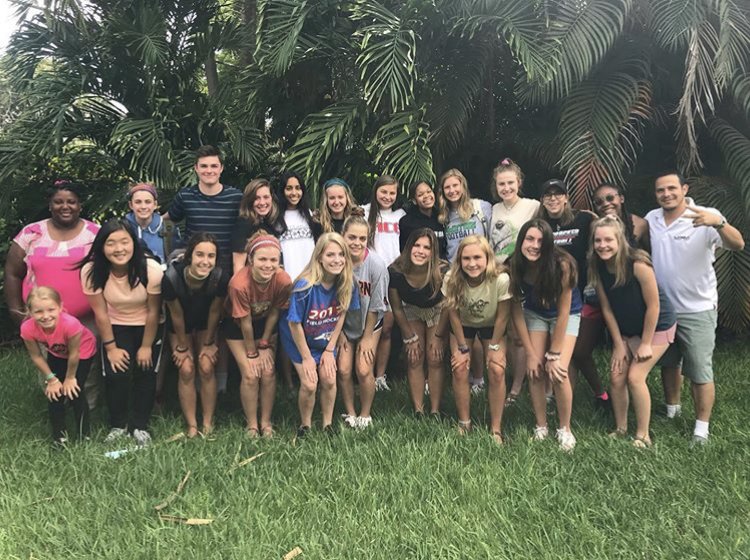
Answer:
(70, 348)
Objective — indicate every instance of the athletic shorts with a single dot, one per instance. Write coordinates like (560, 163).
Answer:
(693, 349)
(484, 333)
(230, 330)
(535, 322)
(661, 338)
(591, 312)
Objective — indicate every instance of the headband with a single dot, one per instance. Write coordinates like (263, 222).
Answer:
(334, 182)
(142, 187)
(263, 241)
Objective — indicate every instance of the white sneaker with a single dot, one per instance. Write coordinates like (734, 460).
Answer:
(381, 384)
(142, 438)
(364, 422)
(116, 433)
(426, 389)
(567, 439)
(540, 433)
(477, 389)
(349, 420)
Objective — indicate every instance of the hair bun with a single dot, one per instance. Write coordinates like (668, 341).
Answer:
(506, 161)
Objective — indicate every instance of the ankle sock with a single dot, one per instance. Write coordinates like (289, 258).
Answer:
(701, 429)
(604, 396)
(673, 410)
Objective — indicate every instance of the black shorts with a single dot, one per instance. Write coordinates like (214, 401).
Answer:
(231, 330)
(484, 333)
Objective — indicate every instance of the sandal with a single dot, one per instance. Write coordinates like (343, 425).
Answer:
(267, 432)
(642, 442)
(511, 399)
(252, 433)
(192, 431)
(464, 427)
(497, 437)
(619, 433)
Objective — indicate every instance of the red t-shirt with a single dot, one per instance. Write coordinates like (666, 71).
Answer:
(246, 297)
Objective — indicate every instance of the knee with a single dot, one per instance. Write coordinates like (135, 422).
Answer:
(248, 379)
(268, 375)
(187, 372)
(496, 373)
(327, 384)
(461, 374)
(434, 364)
(344, 374)
(618, 379)
(308, 386)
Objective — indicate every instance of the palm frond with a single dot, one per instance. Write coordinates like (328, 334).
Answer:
(144, 145)
(733, 54)
(142, 29)
(401, 148)
(279, 24)
(247, 145)
(321, 134)
(740, 92)
(735, 150)
(386, 58)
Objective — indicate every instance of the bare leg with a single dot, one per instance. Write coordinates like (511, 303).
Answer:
(671, 379)
(704, 396)
(344, 374)
(538, 384)
(583, 354)
(639, 391)
(415, 369)
(384, 345)
(563, 389)
(186, 390)
(327, 397)
(267, 395)
(306, 396)
(248, 385)
(477, 361)
(366, 378)
(207, 387)
(496, 393)
(461, 390)
(435, 376)
(517, 365)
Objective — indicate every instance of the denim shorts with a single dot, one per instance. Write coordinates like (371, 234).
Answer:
(535, 322)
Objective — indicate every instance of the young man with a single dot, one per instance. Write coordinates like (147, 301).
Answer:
(684, 238)
(208, 206)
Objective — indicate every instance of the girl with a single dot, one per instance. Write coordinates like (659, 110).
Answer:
(609, 200)
(508, 215)
(546, 316)
(148, 224)
(124, 290)
(571, 229)
(362, 327)
(422, 214)
(477, 298)
(383, 240)
(300, 230)
(640, 319)
(70, 350)
(462, 216)
(320, 299)
(257, 294)
(258, 211)
(416, 299)
(336, 205)
(194, 290)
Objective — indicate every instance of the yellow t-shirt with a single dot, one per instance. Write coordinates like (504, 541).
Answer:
(480, 303)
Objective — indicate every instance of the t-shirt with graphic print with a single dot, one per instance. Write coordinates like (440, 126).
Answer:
(297, 243)
(575, 238)
(56, 342)
(477, 224)
(507, 223)
(479, 304)
(371, 275)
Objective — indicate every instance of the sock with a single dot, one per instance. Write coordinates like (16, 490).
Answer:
(673, 410)
(604, 396)
(701, 429)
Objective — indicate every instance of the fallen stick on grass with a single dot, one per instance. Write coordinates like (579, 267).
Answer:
(186, 520)
(171, 498)
(245, 461)
(296, 551)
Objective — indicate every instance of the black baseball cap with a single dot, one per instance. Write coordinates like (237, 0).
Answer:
(556, 185)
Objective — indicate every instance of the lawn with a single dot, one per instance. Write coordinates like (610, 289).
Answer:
(405, 489)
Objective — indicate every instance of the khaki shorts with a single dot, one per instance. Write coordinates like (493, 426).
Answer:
(428, 315)
(693, 349)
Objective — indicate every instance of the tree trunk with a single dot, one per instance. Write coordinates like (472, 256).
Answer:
(212, 75)
(249, 14)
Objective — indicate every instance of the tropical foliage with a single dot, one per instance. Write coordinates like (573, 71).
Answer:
(589, 90)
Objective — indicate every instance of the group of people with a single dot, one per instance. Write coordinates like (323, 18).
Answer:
(261, 276)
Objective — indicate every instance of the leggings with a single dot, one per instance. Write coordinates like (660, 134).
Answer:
(130, 394)
(59, 366)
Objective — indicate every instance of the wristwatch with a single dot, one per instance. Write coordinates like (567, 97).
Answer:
(721, 224)
(494, 347)
(464, 349)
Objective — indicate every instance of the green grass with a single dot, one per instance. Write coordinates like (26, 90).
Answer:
(406, 489)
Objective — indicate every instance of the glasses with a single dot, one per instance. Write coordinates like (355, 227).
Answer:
(549, 196)
(608, 198)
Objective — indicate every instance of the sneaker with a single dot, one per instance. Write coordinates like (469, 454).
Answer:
(116, 433)
(426, 389)
(59, 443)
(302, 431)
(381, 384)
(567, 439)
(540, 433)
(142, 438)
(364, 422)
(477, 389)
(698, 441)
(349, 420)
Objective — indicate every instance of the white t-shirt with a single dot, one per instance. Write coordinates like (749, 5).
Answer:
(683, 257)
(506, 224)
(385, 243)
(297, 243)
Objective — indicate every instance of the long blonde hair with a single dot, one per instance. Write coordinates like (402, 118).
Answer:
(465, 207)
(457, 282)
(324, 214)
(313, 273)
(626, 254)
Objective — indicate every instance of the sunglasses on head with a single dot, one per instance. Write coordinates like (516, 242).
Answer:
(607, 198)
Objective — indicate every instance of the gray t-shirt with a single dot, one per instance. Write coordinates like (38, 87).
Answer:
(477, 224)
(371, 276)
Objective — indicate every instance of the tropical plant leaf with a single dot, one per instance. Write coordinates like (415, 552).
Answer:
(279, 24)
(733, 53)
(247, 145)
(321, 134)
(740, 91)
(142, 29)
(732, 267)
(144, 143)
(735, 150)
(401, 148)
(386, 58)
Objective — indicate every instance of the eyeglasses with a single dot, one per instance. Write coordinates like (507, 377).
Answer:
(548, 196)
(607, 198)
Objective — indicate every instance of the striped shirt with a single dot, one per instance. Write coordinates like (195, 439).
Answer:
(214, 214)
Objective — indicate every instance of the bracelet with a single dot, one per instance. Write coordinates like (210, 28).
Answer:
(49, 377)
(327, 350)
(108, 342)
(414, 338)
(551, 356)
(250, 356)
(263, 344)
(181, 349)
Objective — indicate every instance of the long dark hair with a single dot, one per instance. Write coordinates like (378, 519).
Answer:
(552, 272)
(403, 263)
(625, 215)
(99, 273)
(303, 205)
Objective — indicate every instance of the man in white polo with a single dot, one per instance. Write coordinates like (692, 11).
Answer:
(684, 238)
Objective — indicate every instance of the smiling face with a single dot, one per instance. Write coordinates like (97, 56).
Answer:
(65, 208)
(336, 200)
(143, 204)
(332, 260)
(424, 198)
(292, 192)
(385, 196)
(531, 246)
(118, 248)
(45, 312)
(203, 259)
(507, 185)
(453, 190)
(421, 251)
(473, 261)
(356, 240)
(554, 202)
(606, 244)
(265, 262)
(263, 202)
(209, 170)
(608, 202)
(670, 194)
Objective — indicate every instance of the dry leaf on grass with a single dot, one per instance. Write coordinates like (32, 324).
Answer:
(176, 437)
(171, 498)
(186, 520)
(246, 461)
(296, 551)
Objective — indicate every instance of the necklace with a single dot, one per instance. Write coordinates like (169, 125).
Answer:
(512, 206)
